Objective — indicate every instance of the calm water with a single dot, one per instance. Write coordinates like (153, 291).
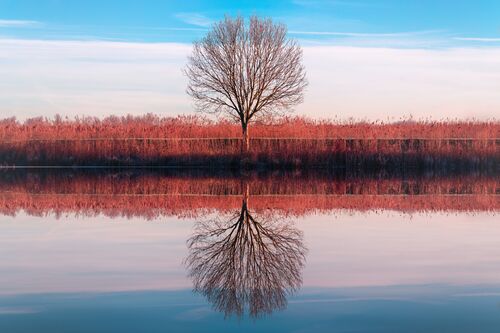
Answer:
(128, 252)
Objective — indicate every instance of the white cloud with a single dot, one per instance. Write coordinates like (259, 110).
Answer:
(409, 39)
(318, 3)
(102, 78)
(381, 83)
(17, 23)
(344, 34)
(361, 34)
(478, 39)
(194, 19)
(91, 78)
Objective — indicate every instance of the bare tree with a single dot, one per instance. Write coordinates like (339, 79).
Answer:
(246, 71)
(246, 262)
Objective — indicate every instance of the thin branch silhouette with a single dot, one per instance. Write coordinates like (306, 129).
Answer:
(246, 262)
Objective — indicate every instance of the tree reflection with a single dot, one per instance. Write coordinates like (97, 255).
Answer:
(246, 261)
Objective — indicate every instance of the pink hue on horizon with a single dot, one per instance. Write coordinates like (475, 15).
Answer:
(91, 78)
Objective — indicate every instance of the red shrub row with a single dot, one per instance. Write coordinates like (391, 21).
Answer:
(152, 126)
(290, 142)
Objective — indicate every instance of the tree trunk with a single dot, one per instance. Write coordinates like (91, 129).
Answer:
(246, 140)
(244, 207)
(246, 194)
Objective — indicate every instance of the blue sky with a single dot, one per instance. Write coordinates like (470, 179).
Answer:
(365, 59)
(433, 23)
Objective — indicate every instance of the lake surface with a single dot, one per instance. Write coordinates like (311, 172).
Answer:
(133, 251)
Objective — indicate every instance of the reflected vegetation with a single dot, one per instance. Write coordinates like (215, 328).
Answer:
(160, 192)
(246, 261)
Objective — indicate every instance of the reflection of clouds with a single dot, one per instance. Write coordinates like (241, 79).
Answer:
(348, 299)
(344, 250)
(246, 262)
(91, 254)
(478, 294)
(17, 310)
(194, 314)
(421, 249)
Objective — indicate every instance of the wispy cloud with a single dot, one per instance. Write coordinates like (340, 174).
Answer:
(194, 19)
(361, 34)
(17, 23)
(478, 39)
(174, 29)
(409, 39)
(319, 3)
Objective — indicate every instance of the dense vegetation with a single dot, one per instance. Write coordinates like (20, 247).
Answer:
(152, 126)
(290, 142)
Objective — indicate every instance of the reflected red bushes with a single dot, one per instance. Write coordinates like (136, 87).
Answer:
(152, 194)
(150, 140)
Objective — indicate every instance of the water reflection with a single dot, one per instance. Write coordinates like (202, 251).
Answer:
(153, 193)
(246, 261)
(371, 271)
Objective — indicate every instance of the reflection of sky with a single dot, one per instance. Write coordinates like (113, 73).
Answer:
(89, 254)
(427, 309)
(371, 249)
(364, 273)
(39, 255)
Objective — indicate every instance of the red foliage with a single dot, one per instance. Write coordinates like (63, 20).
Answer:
(150, 140)
(151, 126)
